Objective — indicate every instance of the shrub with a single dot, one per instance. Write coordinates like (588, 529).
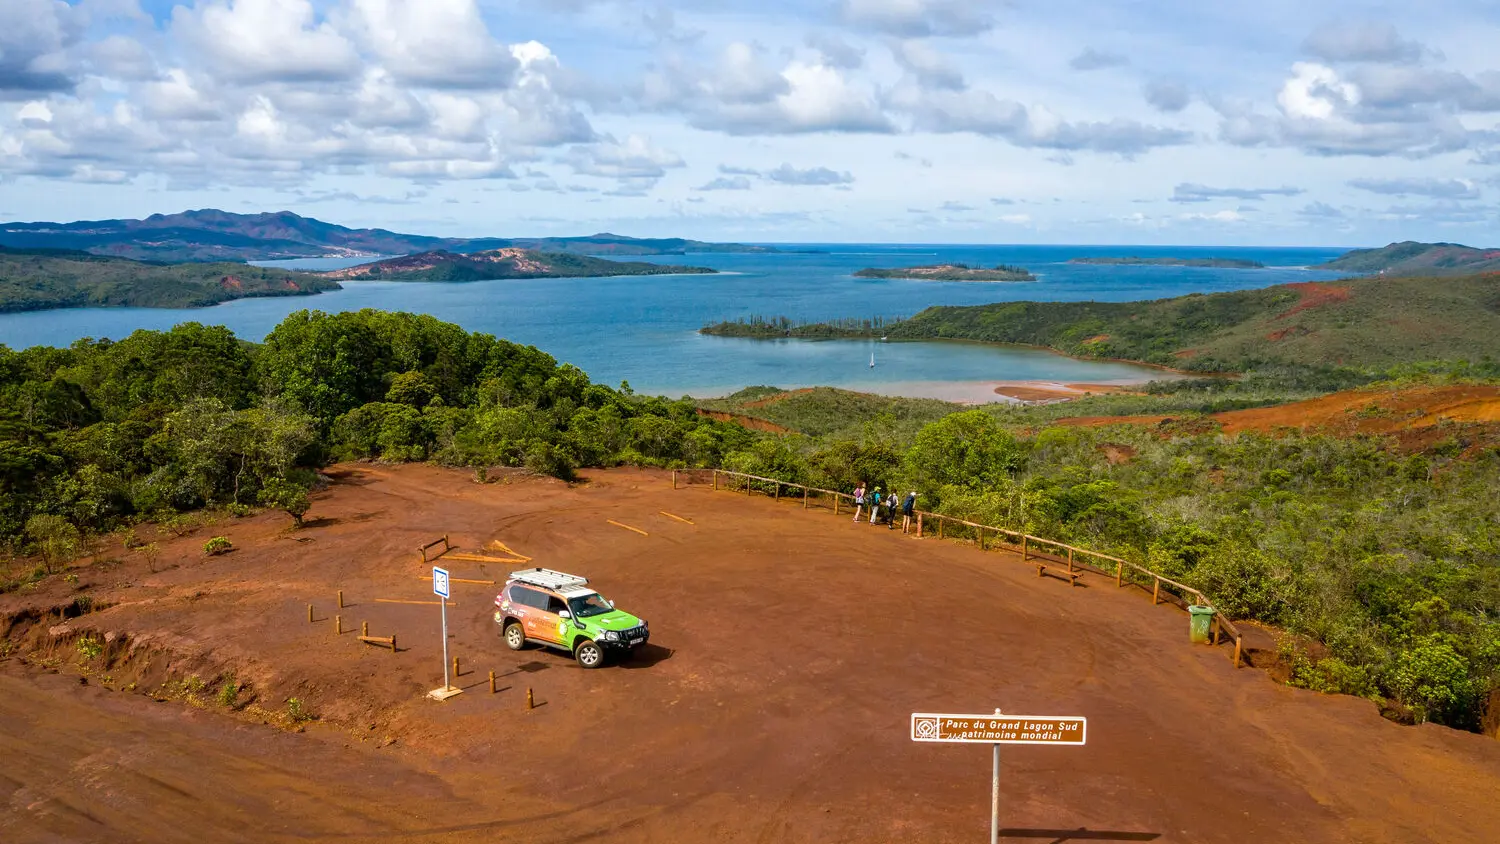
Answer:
(229, 693)
(218, 545)
(89, 647)
(287, 496)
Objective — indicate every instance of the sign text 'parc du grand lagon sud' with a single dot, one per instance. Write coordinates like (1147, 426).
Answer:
(999, 729)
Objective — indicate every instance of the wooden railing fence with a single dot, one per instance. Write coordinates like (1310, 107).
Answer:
(1163, 589)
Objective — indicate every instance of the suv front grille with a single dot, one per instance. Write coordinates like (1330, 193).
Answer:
(638, 632)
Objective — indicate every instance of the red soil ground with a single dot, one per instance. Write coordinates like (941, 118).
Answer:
(1418, 417)
(788, 651)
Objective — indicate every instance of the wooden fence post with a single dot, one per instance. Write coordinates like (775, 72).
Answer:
(393, 643)
(1070, 561)
(364, 628)
(530, 701)
(804, 498)
(1023, 547)
(341, 599)
(1119, 573)
(492, 682)
(716, 480)
(777, 494)
(674, 479)
(980, 531)
(309, 613)
(1237, 641)
(338, 624)
(919, 525)
(455, 666)
(940, 526)
(1156, 592)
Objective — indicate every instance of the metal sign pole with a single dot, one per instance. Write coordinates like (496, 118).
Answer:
(441, 587)
(448, 685)
(995, 800)
(995, 796)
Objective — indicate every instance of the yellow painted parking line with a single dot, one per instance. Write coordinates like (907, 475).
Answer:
(497, 545)
(480, 558)
(401, 601)
(627, 527)
(677, 517)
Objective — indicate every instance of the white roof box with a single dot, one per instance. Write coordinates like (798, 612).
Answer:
(549, 579)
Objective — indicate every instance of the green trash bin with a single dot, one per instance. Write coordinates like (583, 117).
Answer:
(1200, 619)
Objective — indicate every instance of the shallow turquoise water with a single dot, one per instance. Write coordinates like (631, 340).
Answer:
(643, 329)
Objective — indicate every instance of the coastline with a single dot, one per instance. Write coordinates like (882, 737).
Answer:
(1026, 392)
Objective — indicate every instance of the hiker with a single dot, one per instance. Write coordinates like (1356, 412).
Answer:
(890, 511)
(875, 506)
(907, 507)
(859, 499)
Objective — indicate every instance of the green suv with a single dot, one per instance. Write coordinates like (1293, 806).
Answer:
(559, 611)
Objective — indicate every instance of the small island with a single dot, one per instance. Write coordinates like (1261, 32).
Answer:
(950, 272)
(1212, 263)
(508, 263)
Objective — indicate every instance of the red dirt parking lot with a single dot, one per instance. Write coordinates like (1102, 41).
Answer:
(788, 651)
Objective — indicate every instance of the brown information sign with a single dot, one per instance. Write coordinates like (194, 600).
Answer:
(999, 729)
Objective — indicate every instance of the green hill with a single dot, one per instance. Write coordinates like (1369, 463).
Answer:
(1412, 258)
(501, 264)
(40, 279)
(1370, 322)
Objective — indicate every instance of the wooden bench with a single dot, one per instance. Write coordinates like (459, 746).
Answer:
(1072, 576)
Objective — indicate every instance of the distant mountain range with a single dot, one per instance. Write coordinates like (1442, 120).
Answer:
(1412, 258)
(213, 235)
(441, 265)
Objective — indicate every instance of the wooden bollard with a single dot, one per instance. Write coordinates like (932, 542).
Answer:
(393, 643)
(309, 613)
(674, 479)
(835, 504)
(1237, 652)
(338, 624)
(530, 701)
(364, 628)
(492, 682)
(1119, 574)
(804, 498)
(777, 494)
(940, 528)
(455, 666)
(341, 599)
(716, 480)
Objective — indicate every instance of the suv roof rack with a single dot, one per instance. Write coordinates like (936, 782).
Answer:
(549, 579)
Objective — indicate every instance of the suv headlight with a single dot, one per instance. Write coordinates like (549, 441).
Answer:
(610, 636)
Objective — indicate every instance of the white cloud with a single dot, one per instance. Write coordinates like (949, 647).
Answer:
(1428, 187)
(786, 174)
(927, 65)
(1189, 192)
(264, 40)
(1362, 41)
(34, 38)
(918, 18)
(636, 158)
(439, 43)
(1091, 59)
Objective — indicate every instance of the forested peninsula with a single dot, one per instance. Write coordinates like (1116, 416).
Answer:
(502, 264)
(32, 280)
(1357, 322)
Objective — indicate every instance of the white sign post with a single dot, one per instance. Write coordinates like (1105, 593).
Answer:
(441, 589)
(998, 729)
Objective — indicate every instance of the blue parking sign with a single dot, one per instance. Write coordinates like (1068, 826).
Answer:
(440, 581)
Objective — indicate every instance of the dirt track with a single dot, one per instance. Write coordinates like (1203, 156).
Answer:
(791, 649)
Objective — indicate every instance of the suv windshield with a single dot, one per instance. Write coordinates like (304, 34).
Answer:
(589, 605)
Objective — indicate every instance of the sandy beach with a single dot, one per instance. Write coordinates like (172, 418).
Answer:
(991, 392)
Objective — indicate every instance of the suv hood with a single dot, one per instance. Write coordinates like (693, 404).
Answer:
(615, 620)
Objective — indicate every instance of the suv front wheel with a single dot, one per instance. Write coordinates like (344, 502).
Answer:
(515, 637)
(589, 654)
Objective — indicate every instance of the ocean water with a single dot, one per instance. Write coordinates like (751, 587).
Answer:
(644, 329)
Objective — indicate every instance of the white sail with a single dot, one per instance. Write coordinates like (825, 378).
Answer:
(872, 360)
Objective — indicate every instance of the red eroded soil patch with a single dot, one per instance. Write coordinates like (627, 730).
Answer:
(1412, 415)
(230, 282)
(788, 652)
(743, 421)
(1316, 294)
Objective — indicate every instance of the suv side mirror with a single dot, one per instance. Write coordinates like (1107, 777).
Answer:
(564, 614)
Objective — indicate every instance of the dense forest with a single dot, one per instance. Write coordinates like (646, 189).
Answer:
(1382, 562)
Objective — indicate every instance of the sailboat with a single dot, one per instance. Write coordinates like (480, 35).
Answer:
(872, 360)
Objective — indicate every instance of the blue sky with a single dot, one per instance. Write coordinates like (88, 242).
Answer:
(970, 121)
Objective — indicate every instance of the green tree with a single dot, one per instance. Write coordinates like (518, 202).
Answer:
(286, 495)
(55, 538)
